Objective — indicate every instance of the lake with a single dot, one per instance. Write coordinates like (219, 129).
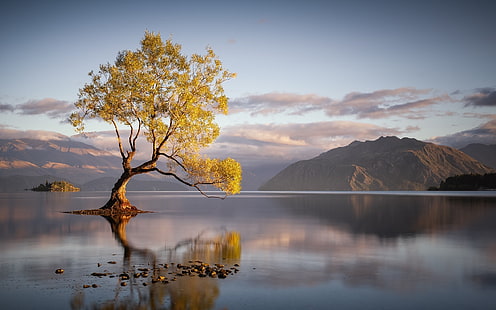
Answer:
(283, 250)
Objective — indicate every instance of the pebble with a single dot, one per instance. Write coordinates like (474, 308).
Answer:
(124, 276)
(192, 269)
(100, 274)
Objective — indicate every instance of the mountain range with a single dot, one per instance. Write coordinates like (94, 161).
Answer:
(486, 154)
(388, 163)
(67, 158)
(26, 163)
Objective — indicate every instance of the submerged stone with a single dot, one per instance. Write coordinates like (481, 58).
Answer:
(100, 274)
(124, 276)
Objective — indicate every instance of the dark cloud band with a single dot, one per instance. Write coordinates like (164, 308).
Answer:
(404, 102)
(51, 107)
(484, 97)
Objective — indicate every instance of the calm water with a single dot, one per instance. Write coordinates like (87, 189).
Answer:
(294, 251)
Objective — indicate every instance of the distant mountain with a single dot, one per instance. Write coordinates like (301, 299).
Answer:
(17, 183)
(75, 161)
(256, 175)
(486, 154)
(388, 163)
(26, 163)
(136, 184)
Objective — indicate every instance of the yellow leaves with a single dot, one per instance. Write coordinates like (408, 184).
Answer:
(224, 174)
(76, 120)
(172, 97)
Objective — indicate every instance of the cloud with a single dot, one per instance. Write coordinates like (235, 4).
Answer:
(10, 133)
(485, 134)
(484, 97)
(104, 140)
(274, 103)
(6, 108)
(404, 102)
(107, 141)
(265, 143)
(51, 107)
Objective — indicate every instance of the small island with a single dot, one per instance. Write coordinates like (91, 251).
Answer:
(57, 186)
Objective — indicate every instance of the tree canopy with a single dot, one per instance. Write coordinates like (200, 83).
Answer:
(170, 99)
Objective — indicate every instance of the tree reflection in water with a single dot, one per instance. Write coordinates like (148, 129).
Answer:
(181, 292)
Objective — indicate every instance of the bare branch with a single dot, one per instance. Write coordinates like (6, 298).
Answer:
(170, 131)
(195, 185)
(174, 160)
(119, 140)
(137, 135)
(129, 139)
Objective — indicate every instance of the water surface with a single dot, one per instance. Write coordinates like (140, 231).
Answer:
(294, 250)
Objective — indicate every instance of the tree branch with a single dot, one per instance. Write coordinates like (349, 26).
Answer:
(170, 130)
(174, 160)
(119, 140)
(137, 135)
(195, 185)
(129, 139)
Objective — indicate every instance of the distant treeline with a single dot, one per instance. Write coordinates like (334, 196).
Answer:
(468, 182)
(57, 186)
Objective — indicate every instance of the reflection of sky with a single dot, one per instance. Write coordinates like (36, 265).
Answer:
(283, 250)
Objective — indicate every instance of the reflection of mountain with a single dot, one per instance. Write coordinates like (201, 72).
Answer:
(311, 244)
(388, 163)
(391, 216)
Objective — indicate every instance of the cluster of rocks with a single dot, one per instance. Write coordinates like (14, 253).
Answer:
(165, 273)
(202, 270)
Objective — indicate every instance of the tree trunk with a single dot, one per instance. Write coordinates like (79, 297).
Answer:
(118, 202)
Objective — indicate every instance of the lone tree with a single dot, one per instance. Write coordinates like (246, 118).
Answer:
(158, 94)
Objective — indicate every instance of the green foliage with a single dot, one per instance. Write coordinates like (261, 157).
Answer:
(469, 182)
(170, 100)
(57, 186)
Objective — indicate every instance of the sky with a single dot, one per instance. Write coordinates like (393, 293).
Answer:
(311, 75)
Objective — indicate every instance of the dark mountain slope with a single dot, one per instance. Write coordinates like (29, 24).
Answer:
(486, 154)
(388, 163)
